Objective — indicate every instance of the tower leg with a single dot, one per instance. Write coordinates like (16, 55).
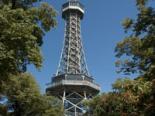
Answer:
(85, 95)
(64, 97)
(75, 111)
(73, 103)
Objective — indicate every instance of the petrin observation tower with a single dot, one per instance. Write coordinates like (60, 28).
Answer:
(72, 82)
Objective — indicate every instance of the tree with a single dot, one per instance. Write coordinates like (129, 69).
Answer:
(21, 35)
(139, 46)
(3, 110)
(136, 54)
(23, 93)
(126, 99)
(22, 27)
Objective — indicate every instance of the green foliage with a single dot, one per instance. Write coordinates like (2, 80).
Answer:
(127, 99)
(22, 27)
(23, 93)
(3, 110)
(138, 86)
(21, 36)
(127, 23)
(141, 3)
(136, 54)
(139, 46)
(140, 50)
(19, 3)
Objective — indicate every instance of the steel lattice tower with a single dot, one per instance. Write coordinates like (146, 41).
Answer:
(72, 82)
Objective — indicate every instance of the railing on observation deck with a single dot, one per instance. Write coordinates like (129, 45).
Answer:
(74, 79)
(73, 3)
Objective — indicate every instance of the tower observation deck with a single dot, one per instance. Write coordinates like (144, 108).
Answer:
(72, 82)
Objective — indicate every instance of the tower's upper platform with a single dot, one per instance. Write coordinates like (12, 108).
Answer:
(72, 6)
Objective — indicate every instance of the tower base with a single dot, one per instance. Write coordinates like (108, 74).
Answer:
(73, 89)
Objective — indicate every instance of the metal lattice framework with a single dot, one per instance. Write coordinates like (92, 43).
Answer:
(72, 82)
(73, 104)
(72, 57)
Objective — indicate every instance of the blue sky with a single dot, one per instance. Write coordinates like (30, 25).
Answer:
(101, 31)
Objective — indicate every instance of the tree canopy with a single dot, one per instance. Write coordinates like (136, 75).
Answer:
(23, 23)
(139, 45)
(136, 55)
(24, 95)
(21, 34)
